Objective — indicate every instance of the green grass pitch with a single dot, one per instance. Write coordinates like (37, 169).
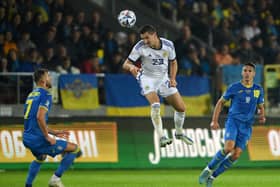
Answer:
(147, 178)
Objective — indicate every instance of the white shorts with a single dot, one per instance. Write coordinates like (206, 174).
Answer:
(159, 85)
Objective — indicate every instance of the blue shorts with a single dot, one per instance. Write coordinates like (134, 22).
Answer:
(41, 147)
(238, 131)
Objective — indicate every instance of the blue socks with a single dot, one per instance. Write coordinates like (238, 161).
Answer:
(227, 163)
(217, 159)
(65, 163)
(34, 168)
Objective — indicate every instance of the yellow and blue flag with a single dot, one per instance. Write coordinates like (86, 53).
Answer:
(195, 91)
(79, 92)
(40, 6)
(123, 96)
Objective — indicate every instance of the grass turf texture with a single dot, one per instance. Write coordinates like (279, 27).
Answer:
(146, 178)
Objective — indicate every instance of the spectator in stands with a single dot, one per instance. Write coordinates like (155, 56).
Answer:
(205, 62)
(224, 34)
(168, 9)
(9, 43)
(270, 26)
(184, 42)
(190, 65)
(91, 65)
(111, 46)
(66, 67)
(3, 20)
(27, 23)
(66, 28)
(48, 39)
(13, 61)
(11, 9)
(96, 42)
(131, 41)
(61, 53)
(32, 61)
(222, 56)
(272, 48)
(75, 47)
(38, 28)
(115, 65)
(247, 54)
(49, 62)
(216, 10)
(250, 30)
(183, 9)
(25, 43)
(16, 26)
(86, 34)
(96, 23)
(56, 19)
(80, 19)
(4, 66)
(258, 47)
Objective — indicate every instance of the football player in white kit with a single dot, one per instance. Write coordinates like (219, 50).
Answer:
(156, 55)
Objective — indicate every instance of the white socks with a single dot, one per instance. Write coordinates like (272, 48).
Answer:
(179, 118)
(156, 118)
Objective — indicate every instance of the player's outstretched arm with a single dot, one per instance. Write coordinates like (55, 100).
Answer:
(128, 66)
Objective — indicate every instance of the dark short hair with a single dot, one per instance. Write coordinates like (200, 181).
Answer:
(147, 28)
(38, 74)
(250, 64)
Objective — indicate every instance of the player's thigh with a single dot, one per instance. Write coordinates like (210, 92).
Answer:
(231, 130)
(243, 136)
(53, 150)
(71, 147)
(152, 97)
(176, 101)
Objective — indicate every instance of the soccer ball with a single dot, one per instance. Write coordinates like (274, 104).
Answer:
(127, 18)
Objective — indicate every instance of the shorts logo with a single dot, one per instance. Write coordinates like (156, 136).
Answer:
(146, 88)
(227, 135)
(59, 148)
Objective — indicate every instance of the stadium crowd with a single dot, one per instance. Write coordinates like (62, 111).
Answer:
(49, 33)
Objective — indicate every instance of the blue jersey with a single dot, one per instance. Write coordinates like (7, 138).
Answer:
(39, 97)
(244, 101)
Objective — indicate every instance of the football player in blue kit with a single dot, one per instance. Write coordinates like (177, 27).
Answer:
(39, 138)
(245, 97)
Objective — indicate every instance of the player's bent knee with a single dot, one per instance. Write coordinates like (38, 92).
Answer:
(41, 158)
(77, 151)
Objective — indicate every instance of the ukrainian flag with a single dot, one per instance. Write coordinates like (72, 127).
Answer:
(123, 96)
(79, 92)
(40, 6)
(195, 91)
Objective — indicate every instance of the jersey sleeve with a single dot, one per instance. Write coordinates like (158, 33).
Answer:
(261, 97)
(172, 53)
(135, 52)
(228, 94)
(46, 101)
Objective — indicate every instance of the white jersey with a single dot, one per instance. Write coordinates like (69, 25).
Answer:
(154, 61)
